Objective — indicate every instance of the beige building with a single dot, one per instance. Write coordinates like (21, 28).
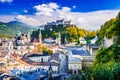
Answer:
(74, 64)
(80, 58)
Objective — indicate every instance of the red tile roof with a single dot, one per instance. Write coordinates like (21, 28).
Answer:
(14, 55)
(32, 63)
(55, 57)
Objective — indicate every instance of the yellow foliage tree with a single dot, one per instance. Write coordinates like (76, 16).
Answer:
(39, 48)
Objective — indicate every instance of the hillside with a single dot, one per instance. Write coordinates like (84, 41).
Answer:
(107, 62)
(68, 33)
(10, 29)
(111, 29)
(108, 59)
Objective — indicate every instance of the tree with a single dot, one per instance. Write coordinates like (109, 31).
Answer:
(39, 48)
(73, 33)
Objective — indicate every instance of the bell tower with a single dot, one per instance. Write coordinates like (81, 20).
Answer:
(50, 72)
(28, 37)
(59, 39)
(40, 36)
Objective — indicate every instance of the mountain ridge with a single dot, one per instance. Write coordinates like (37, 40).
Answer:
(10, 29)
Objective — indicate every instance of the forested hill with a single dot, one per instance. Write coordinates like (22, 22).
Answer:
(111, 28)
(107, 62)
(72, 34)
(10, 29)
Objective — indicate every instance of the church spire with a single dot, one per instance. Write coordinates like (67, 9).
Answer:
(28, 37)
(66, 39)
(59, 38)
(50, 72)
(40, 36)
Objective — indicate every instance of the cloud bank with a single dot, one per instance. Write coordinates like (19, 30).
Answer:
(27, 20)
(52, 12)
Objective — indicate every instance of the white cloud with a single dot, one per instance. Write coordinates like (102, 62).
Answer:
(74, 7)
(27, 20)
(46, 9)
(25, 11)
(66, 9)
(93, 20)
(53, 5)
(63, 13)
(6, 1)
(7, 18)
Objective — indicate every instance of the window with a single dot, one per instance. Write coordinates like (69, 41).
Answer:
(70, 66)
(75, 66)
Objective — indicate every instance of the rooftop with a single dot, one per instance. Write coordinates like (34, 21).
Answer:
(94, 45)
(73, 59)
(30, 62)
(1, 64)
(55, 57)
(79, 51)
(37, 55)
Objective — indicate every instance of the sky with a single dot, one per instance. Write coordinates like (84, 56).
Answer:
(87, 14)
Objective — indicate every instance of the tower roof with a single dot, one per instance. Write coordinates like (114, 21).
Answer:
(59, 34)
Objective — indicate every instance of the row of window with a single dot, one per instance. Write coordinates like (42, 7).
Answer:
(75, 66)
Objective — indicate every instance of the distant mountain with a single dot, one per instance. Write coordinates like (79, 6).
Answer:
(18, 23)
(15, 22)
(11, 28)
(1, 23)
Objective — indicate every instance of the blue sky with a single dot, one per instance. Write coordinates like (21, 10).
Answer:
(17, 6)
(84, 13)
